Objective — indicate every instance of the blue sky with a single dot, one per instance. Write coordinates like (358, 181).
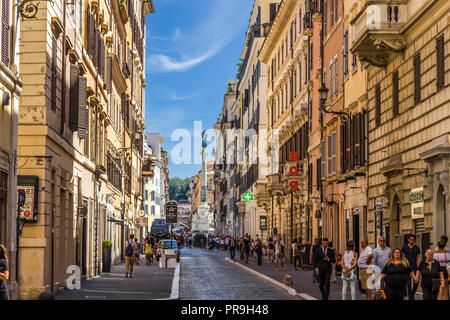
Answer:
(193, 47)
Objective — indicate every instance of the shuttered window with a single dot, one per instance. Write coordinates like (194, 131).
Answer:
(83, 110)
(440, 63)
(352, 143)
(323, 157)
(332, 153)
(346, 52)
(357, 139)
(74, 99)
(342, 147)
(336, 9)
(310, 177)
(53, 71)
(377, 104)
(5, 32)
(395, 93)
(331, 79)
(335, 75)
(331, 12)
(109, 74)
(364, 137)
(417, 80)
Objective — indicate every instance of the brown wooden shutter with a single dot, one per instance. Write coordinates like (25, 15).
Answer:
(440, 63)
(92, 36)
(54, 74)
(352, 143)
(417, 80)
(310, 177)
(83, 111)
(357, 135)
(347, 144)
(395, 94)
(342, 146)
(377, 105)
(109, 74)
(318, 173)
(363, 141)
(74, 99)
(5, 32)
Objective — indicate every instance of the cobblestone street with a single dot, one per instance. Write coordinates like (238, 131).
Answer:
(205, 274)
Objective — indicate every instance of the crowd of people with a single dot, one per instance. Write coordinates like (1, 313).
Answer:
(380, 273)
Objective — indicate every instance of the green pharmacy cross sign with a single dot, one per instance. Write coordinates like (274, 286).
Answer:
(247, 197)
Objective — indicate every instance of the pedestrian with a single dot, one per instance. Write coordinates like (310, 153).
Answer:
(4, 273)
(323, 260)
(296, 253)
(431, 275)
(232, 248)
(301, 249)
(246, 247)
(278, 254)
(333, 265)
(312, 259)
(258, 249)
(270, 248)
(129, 249)
(241, 248)
(412, 254)
(349, 272)
(397, 274)
(382, 253)
(137, 252)
(442, 256)
(366, 252)
(148, 252)
(338, 264)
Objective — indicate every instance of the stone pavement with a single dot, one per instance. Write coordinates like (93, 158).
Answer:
(148, 282)
(205, 275)
(302, 279)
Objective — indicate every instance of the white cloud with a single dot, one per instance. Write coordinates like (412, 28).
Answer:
(221, 20)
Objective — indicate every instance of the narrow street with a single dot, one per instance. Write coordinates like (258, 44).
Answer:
(205, 275)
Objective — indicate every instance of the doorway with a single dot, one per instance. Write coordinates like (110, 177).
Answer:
(394, 226)
(441, 215)
(355, 222)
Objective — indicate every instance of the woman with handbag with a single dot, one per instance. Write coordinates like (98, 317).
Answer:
(432, 278)
(349, 273)
(396, 273)
(443, 257)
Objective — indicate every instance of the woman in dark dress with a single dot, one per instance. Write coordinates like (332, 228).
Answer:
(4, 274)
(432, 277)
(396, 273)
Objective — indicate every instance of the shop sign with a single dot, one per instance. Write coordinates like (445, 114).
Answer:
(293, 171)
(29, 186)
(416, 198)
(263, 223)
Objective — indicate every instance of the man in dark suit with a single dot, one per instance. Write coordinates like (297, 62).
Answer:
(323, 260)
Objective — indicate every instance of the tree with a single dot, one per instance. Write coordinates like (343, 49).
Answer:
(178, 189)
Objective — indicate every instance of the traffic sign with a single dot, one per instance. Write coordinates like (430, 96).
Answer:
(171, 212)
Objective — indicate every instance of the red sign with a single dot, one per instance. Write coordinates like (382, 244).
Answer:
(293, 171)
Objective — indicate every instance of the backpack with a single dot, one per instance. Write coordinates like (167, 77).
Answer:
(271, 245)
(129, 251)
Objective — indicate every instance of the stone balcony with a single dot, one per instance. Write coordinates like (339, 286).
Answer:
(377, 31)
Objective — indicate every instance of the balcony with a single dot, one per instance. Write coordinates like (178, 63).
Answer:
(377, 31)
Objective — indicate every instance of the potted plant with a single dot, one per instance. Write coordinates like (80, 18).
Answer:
(107, 245)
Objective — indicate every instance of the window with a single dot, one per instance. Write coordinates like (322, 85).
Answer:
(325, 18)
(336, 9)
(395, 93)
(417, 80)
(354, 60)
(323, 159)
(153, 196)
(345, 55)
(53, 71)
(146, 209)
(146, 195)
(331, 79)
(332, 153)
(153, 210)
(331, 12)
(5, 32)
(335, 75)
(377, 104)
(440, 63)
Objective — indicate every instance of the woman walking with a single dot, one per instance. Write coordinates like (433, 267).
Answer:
(148, 252)
(258, 249)
(432, 278)
(349, 272)
(442, 256)
(270, 248)
(4, 274)
(396, 273)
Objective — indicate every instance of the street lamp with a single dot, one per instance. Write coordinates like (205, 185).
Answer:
(323, 94)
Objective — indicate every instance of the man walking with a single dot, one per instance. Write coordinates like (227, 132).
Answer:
(382, 253)
(232, 248)
(129, 247)
(323, 259)
(412, 254)
(279, 254)
(296, 253)
(246, 246)
(366, 252)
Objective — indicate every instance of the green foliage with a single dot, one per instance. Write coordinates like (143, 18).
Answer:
(107, 244)
(178, 189)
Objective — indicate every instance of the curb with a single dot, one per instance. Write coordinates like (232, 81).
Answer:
(290, 290)
(175, 293)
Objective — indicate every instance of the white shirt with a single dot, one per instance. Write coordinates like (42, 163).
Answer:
(365, 253)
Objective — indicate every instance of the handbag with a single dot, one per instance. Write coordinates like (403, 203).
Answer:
(380, 295)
